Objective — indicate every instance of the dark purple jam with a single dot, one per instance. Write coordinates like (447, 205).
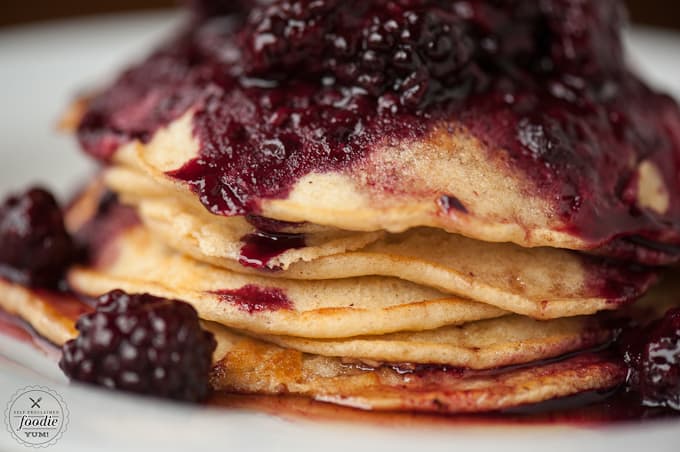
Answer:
(594, 407)
(297, 86)
(652, 354)
(268, 241)
(617, 282)
(251, 298)
(261, 247)
(35, 248)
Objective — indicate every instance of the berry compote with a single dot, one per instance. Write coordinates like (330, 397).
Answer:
(652, 354)
(283, 88)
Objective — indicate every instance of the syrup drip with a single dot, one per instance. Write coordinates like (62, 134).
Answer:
(251, 298)
(261, 247)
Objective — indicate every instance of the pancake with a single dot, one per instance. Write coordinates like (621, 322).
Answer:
(235, 238)
(135, 262)
(476, 345)
(485, 344)
(51, 315)
(256, 367)
(339, 201)
(494, 152)
(131, 178)
(539, 282)
(245, 365)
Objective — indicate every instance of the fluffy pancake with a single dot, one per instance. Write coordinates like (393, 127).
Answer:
(252, 366)
(244, 365)
(484, 344)
(538, 282)
(136, 262)
(52, 315)
(227, 236)
(342, 200)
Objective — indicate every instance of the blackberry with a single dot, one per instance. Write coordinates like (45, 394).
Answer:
(142, 344)
(35, 248)
(426, 52)
(287, 33)
(412, 51)
(653, 357)
(412, 48)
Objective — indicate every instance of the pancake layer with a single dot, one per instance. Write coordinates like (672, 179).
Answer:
(246, 365)
(539, 282)
(256, 367)
(136, 262)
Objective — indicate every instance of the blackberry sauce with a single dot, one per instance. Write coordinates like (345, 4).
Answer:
(252, 298)
(261, 247)
(300, 86)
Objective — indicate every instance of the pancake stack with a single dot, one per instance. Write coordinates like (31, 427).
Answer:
(469, 257)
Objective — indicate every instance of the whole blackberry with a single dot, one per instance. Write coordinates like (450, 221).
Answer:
(287, 33)
(142, 344)
(653, 357)
(414, 49)
(35, 248)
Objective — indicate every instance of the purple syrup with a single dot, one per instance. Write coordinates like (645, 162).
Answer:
(652, 354)
(298, 86)
(251, 298)
(617, 282)
(261, 247)
(17, 328)
(589, 409)
(268, 241)
(641, 250)
(593, 407)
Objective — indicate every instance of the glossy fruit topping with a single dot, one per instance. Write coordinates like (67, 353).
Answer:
(301, 86)
(251, 298)
(261, 247)
(653, 356)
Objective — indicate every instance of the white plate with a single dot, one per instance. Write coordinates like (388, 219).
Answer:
(41, 68)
